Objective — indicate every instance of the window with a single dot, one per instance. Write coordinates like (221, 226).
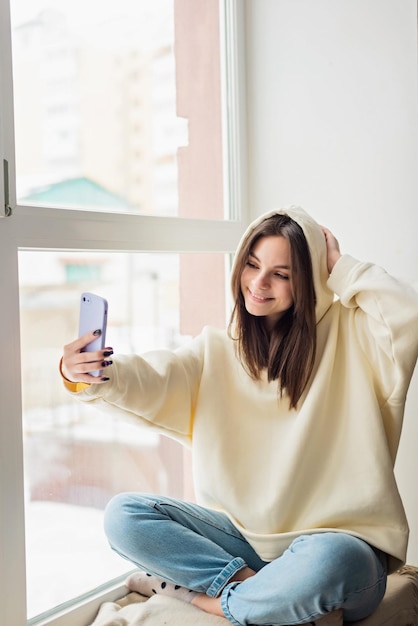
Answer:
(158, 235)
(75, 458)
(110, 89)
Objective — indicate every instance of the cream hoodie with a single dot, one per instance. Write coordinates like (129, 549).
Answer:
(280, 473)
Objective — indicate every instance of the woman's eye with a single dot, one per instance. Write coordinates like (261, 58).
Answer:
(282, 276)
(251, 264)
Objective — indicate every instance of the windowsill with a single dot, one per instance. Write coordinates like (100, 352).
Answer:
(68, 558)
(83, 611)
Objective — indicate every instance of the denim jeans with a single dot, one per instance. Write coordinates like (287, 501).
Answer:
(202, 550)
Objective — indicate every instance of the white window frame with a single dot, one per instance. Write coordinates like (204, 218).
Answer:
(37, 228)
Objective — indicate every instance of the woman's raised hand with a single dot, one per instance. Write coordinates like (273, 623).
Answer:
(333, 248)
(76, 365)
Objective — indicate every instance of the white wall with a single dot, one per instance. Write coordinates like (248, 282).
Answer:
(333, 126)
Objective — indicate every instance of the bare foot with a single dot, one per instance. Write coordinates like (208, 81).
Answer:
(213, 605)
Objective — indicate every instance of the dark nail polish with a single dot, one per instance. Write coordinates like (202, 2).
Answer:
(97, 332)
(104, 378)
(108, 353)
(106, 363)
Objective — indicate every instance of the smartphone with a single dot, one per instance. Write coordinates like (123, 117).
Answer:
(93, 315)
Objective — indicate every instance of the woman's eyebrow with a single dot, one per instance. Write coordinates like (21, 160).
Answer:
(283, 267)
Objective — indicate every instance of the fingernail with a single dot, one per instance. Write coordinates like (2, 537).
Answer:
(108, 352)
(97, 332)
(106, 363)
(104, 378)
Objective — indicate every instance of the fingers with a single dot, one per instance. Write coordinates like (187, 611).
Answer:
(333, 248)
(328, 234)
(83, 341)
(77, 364)
(76, 367)
(331, 240)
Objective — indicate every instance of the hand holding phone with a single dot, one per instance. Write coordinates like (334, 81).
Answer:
(93, 316)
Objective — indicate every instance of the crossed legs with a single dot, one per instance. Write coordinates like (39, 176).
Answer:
(201, 550)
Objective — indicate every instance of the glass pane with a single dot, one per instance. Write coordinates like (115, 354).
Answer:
(76, 458)
(105, 94)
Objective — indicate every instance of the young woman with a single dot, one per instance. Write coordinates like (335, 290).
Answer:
(294, 416)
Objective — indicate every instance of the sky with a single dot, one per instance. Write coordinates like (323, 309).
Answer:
(90, 10)
(105, 21)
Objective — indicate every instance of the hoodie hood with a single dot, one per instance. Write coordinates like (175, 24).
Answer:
(317, 246)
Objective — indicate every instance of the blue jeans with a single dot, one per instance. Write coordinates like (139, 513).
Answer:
(202, 550)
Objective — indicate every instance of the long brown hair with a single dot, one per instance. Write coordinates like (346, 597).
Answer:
(288, 351)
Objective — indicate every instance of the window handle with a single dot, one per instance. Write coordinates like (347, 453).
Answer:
(6, 209)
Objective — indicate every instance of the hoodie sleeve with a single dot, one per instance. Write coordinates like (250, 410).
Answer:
(158, 390)
(383, 313)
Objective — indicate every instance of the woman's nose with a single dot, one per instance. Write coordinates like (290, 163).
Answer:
(261, 281)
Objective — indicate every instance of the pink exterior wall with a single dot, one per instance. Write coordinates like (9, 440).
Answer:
(198, 86)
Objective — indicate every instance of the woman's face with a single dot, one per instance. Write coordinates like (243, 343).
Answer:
(266, 279)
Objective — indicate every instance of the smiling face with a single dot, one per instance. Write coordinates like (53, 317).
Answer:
(266, 279)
